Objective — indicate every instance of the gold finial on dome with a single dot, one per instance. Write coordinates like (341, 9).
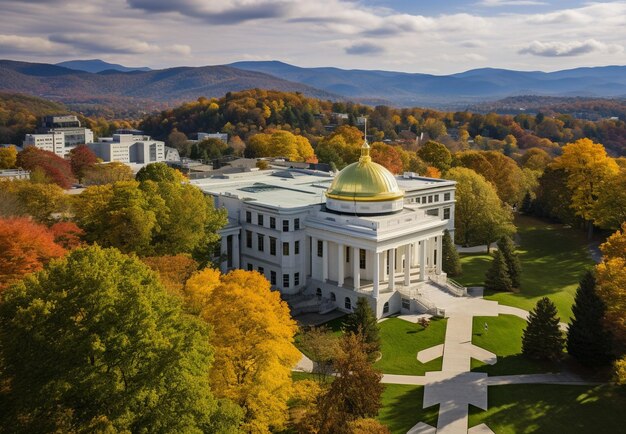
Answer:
(365, 149)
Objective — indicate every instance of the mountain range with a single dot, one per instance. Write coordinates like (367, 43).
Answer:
(103, 82)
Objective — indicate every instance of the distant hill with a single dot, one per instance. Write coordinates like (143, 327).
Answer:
(97, 65)
(170, 86)
(468, 87)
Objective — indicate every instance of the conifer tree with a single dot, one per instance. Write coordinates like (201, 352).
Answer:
(513, 264)
(527, 204)
(363, 321)
(451, 263)
(497, 277)
(587, 339)
(542, 337)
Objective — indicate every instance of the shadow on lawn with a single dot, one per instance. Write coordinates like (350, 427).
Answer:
(402, 408)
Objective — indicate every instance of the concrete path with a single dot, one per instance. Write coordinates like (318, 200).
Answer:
(422, 428)
(304, 365)
(480, 429)
(429, 354)
(564, 378)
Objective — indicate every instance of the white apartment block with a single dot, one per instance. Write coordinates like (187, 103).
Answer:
(129, 148)
(53, 142)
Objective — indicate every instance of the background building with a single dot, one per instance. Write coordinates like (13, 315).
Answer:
(129, 148)
(53, 142)
(69, 125)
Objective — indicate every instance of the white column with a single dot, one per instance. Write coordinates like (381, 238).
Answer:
(325, 261)
(340, 259)
(439, 254)
(224, 253)
(314, 259)
(422, 260)
(236, 250)
(384, 261)
(356, 268)
(407, 264)
(414, 254)
(392, 268)
(376, 270)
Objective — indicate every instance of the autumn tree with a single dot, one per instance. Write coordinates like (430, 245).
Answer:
(43, 202)
(535, 159)
(8, 157)
(435, 154)
(81, 159)
(588, 341)
(174, 271)
(451, 262)
(109, 173)
(611, 277)
(280, 144)
(587, 166)
(387, 156)
(254, 353)
(322, 347)
(363, 321)
(113, 352)
(542, 338)
(356, 391)
(480, 216)
(56, 168)
(67, 234)
(25, 247)
(610, 209)
(342, 146)
(158, 172)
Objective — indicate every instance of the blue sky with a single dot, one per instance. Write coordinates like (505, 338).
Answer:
(437, 37)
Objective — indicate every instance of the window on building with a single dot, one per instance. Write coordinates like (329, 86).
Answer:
(446, 196)
(250, 267)
(430, 199)
(406, 303)
(285, 280)
(362, 261)
(348, 303)
(333, 297)
(446, 213)
(318, 293)
(347, 253)
(433, 212)
(296, 279)
(386, 307)
(296, 224)
(296, 248)
(260, 238)
(273, 277)
(436, 198)
(261, 270)
(248, 217)
(272, 246)
(285, 225)
(320, 248)
(259, 219)
(249, 239)
(272, 222)
(285, 249)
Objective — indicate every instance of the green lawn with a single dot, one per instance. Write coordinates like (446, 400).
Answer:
(504, 339)
(401, 341)
(539, 408)
(402, 408)
(553, 258)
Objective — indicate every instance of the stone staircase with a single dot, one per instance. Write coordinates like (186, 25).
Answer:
(434, 297)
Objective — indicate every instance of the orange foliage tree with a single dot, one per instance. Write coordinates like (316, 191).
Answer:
(55, 168)
(25, 247)
(67, 234)
(173, 270)
(388, 156)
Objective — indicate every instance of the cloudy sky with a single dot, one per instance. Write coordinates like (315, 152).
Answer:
(431, 36)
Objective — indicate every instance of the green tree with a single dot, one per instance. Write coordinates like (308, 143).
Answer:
(158, 172)
(435, 154)
(451, 262)
(112, 352)
(322, 347)
(587, 339)
(513, 264)
(497, 277)
(543, 339)
(363, 321)
(109, 173)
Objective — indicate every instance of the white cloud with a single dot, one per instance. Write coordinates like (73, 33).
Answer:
(14, 44)
(498, 3)
(569, 48)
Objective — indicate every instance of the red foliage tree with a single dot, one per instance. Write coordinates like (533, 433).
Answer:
(388, 156)
(56, 168)
(67, 234)
(25, 247)
(82, 158)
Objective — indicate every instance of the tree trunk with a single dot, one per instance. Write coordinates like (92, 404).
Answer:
(590, 231)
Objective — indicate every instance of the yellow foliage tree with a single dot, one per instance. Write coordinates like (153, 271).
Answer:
(253, 341)
(8, 157)
(587, 166)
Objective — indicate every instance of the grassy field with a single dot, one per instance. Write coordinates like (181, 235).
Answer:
(539, 408)
(553, 258)
(401, 341)
(402, 408)
(504, 338)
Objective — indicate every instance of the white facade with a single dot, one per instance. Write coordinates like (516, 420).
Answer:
(279, 225)
(53, 142)
(220, 136)
(129, 148)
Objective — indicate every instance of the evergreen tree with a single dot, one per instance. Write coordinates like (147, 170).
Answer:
(542, 337)
(451, 262)
(527, 204)
(497, 277)
(363, 321)
(587, 340)
(514, 267)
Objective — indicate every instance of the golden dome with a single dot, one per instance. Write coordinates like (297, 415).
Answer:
(364, 181)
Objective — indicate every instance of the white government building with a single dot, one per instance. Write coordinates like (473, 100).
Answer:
(363, 233)
(129, 148)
